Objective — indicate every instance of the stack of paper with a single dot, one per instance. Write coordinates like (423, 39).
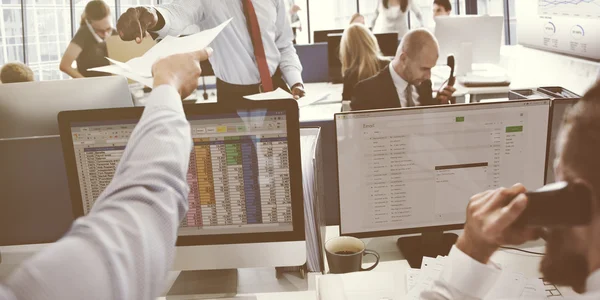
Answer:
(140, 68)
(310, 155)
(510, 285)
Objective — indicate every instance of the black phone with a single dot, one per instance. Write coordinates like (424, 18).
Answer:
(558, 204)
(451, 63)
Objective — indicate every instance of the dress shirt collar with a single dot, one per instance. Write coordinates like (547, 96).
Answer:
(400, 83)
(593, 282)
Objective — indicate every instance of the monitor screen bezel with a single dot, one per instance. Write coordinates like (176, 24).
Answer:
(66, 118)
(549, 164)
(425, 229)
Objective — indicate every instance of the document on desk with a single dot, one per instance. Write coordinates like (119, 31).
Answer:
(510, 285)
(277, 94)
(140, 68)
(431, 268)
(359, 286)
(534, 289)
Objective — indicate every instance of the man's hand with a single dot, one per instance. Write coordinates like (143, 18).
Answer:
(135, 23)
(445, 96)
(490, 218)
(180, 71)
(298, 91)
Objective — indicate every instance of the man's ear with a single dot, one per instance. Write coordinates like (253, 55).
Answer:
(403, 58)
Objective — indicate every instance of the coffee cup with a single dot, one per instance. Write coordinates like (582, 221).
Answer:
(345, 254)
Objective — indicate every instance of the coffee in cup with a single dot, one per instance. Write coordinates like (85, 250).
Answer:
(344, 255)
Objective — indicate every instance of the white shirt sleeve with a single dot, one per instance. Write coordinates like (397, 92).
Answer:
(180, 14)
(414, 7)
(290, 63)
(463, 278)
(124, 247)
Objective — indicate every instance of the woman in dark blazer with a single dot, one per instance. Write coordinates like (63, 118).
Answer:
(360, 56)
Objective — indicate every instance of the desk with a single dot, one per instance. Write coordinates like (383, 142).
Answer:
(530, 68)
(393, 261)
(262, 284)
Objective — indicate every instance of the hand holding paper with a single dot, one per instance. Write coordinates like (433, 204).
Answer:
(140, 68)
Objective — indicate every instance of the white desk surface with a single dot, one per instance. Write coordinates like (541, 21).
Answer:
(263, 284)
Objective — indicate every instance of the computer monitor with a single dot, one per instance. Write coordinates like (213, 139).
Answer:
(320, 36)
(314, 62)
(29, 109)
(388, 44)
(413, 170)
(35, 207)
(246, 201)
(35, 195)
(483, 33)
(559, 108)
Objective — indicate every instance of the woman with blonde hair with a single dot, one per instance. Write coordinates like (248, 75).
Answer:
(360, 56)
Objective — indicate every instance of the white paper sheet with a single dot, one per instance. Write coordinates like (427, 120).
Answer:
(534, 289)
(274, 95)
(312, 98)
(412, 275)
(358, 286)
(510, 285)
(141, 67)
(114, 69)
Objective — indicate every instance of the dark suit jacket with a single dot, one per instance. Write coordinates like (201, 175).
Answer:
(351, 79)
(379, 92)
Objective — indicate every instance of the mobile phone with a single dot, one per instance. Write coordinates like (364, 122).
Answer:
(560, 204)
(451, 63)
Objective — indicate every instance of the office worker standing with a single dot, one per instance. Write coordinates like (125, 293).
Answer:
(254, 53)
(88, 46)
(572, 255)
(405, 82)
(391, 16)
(124, 248)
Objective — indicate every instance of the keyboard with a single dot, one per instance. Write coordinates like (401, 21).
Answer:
(551, 290)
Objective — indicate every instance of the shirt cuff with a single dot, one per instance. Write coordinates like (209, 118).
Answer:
(165, 96)
(165, 30)
(467, 275)
(292, 76)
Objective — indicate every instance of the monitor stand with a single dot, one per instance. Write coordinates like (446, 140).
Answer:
(211, 284)
(429, 244)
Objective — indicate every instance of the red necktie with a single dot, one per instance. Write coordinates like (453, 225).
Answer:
(259, 49)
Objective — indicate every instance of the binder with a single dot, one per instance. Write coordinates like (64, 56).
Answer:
(312, 183)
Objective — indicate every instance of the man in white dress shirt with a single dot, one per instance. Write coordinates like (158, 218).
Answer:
(572, 254)
(255, 53)
(125, 246)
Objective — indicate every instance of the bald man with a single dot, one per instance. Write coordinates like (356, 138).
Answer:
(406, 81)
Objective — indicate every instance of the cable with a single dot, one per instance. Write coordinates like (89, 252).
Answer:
(205, 94)
(525, 251)
(442, 86)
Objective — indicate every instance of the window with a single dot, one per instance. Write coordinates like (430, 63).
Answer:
(79, 8)
(126, 4)
(330, 14)
(48, 34)
(367, 8)
(11, 32)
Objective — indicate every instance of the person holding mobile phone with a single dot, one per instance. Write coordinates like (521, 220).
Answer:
(572, 255)
(88, 46)
(406, 81)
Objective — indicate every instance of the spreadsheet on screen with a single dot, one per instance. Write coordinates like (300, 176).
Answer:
(238, 175)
